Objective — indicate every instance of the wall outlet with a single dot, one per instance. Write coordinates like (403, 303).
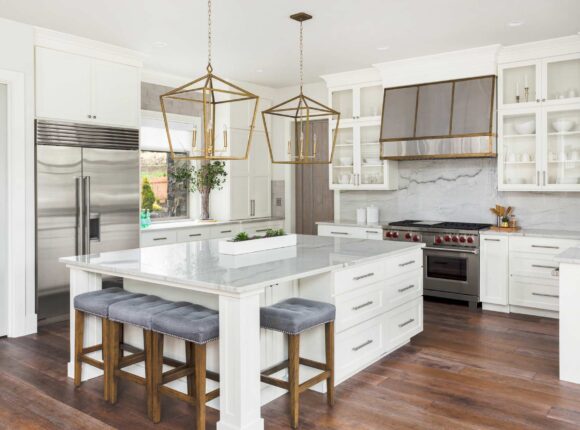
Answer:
(278, 201)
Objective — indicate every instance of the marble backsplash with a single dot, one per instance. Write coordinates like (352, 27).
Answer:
(462, 190)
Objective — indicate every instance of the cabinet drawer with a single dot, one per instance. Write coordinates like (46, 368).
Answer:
(193, 234)
(538, 266)
(342, 231)
(405, 322)
(358, 276)
(356, 347)
(534, 295)
(155, 238)
(540, 245)
(229, 230)
(359, 305)
(373, 233)
(403, 288)
(404, 263)
(260, 229)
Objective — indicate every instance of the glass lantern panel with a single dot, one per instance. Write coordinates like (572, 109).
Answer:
(519, 149)
(563, 147)
(563, 79)
(515, 82)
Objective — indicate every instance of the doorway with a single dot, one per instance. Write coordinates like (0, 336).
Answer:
(313, 197)
(3, 210)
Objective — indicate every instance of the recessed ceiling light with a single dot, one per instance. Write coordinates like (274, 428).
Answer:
(160, 44)
(259, 70)
(515, 23)
(382, 48)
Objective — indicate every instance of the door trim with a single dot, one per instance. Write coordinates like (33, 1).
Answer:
(21, 209)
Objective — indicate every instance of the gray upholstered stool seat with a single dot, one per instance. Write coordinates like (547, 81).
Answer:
(193, 323)
(141, 310)
(98, 302)
(293, 316)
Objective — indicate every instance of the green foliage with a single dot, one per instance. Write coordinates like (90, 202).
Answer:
(209, 176)
(273, 232)
(242, 236)
(147, 195)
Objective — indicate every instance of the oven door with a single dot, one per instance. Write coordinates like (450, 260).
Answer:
(451, 270)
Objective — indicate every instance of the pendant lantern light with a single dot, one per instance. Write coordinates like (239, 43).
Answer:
(208, 96)
(303, 148)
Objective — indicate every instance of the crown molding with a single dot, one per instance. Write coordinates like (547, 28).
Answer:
(46, 38)
(540, 49)
(353, 77)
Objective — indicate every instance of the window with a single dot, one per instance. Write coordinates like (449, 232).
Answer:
(159, 193)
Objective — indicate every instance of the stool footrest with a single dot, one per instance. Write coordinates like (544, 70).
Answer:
(177, 373)
(267, 379)
(275, 382)
(92, 361)
(314, 380)
(130, 377)
(94, 348)
(185, 397)
(129, 360)
(275, 368)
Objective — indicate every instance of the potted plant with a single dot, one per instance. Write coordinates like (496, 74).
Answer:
(207, 177)
(243, 243)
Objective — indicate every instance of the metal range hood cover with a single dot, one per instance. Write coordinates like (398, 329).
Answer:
(448, 119)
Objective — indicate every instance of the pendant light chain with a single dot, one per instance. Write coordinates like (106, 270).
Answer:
(301, 58)
(209, 34)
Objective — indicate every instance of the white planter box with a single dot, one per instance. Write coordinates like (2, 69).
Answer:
(256, 245)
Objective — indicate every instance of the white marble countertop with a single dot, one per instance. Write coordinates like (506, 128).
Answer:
(350, 223)
(199, 264)
(571, 256)
(536, 232)
(188, 223)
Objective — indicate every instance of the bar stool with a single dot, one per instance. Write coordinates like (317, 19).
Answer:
(95, 303)
(293, 316)
(197, 326)
(138, 312)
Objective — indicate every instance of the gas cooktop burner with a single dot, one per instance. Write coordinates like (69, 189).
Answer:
(446, 225)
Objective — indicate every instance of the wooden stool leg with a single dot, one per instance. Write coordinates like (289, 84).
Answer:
(190, 362)
(147, 347)
(79, 339)
(294, 378)
(156, 375)
(199, 355)
(329, 341)
(105, 355)
(114, 359)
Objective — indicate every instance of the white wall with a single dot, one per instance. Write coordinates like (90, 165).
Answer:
(17, 55)
(3, 212)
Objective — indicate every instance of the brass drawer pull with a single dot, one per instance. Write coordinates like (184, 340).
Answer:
(406, 323)
(407, 263)
(364, 305)
(554, 296)
(373, 232)
(358, 278)
(491, 240)
(540, 266)
(545, 246)
(340, 232)
(195, 235)
(406, 288)
(159, 238)
(362, 345)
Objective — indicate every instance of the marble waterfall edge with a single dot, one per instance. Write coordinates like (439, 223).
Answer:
(229, 247)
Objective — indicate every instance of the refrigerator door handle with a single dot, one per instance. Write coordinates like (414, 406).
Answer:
(80, 215)
(87, 214)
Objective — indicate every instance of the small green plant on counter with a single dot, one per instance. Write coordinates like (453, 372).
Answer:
(273, 232)
(240, 237)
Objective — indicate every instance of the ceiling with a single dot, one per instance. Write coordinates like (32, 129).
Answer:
(255, 41)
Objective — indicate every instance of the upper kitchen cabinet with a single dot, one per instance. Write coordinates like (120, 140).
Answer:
(79, 88)
(547, 81)
(361, 101)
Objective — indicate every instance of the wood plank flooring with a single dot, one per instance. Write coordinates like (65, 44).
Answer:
(465, 371)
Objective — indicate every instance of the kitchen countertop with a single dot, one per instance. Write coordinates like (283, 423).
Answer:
(571, 256)
(200, 264)
(350, 223)
(168, 225)
(537, 232)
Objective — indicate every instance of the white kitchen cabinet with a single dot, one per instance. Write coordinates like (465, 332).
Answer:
(158, 237)
(356, 163)
(373, 233)
(494, 269)
(72, 87)
(260, 228)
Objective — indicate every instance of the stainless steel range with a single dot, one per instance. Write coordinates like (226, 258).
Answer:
(450, 258)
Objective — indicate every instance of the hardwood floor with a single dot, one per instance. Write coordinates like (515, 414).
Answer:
(465, 371)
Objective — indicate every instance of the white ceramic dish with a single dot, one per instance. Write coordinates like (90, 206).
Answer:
(525, 127)
(345, 161)
(372, 161)
(563, 124)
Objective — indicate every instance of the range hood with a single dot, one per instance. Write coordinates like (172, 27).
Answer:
(448, 119)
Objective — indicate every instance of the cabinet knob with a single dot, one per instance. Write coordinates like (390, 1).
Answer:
(88, 116)
(543, 100)
(94, 116)
(537, 100)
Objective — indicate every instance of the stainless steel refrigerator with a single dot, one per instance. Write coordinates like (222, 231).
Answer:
(87, 195)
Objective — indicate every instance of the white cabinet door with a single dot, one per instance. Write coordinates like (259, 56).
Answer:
(260, 196)
(63, 86)
(494, 273)
(239, 197)
(116, 94)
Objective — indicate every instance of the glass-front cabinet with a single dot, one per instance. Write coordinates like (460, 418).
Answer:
(562, 152)
(356, 164)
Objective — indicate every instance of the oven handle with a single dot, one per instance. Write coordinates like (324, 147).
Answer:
(463, 251)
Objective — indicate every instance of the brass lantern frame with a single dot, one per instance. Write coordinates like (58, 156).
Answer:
(208, 92)
(301, 109)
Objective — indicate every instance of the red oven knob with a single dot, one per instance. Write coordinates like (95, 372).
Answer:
(416, 238)
(462, 239)
(455, 239)
(470, 240)
(395, 235)
(408, 236)
(447, 238)
(389, 234)
(438, 239)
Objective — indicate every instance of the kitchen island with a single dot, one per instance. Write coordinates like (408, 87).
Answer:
(375, 285)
